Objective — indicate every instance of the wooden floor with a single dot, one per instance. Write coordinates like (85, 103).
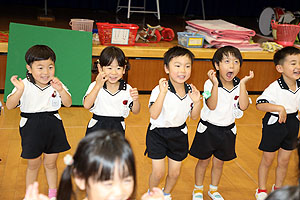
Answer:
(238, 182)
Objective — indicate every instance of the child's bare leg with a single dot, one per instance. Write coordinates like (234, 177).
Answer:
(158, 172)
(282, 165)
(200, 170)
(51, 169)
(33, 166)
(265, 163)
(216, 171)
(173, 173)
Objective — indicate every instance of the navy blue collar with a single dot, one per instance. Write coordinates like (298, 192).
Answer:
(171, 88)
(283, 84)
(122, 86)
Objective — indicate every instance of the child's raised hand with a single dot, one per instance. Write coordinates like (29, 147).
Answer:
(101, 78)
(194, 94)
(163, 85)
(282, 115)
(56, 84)
(247, 78)
(32, 193)
(134, 94)
(213, 77)
(18, 83)
(155, 194)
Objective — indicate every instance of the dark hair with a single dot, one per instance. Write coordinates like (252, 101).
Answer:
(96, 157)
(37, 53)
(281, 54)
(226, 51)
(177, 51)
(108, 55)
(287, 192)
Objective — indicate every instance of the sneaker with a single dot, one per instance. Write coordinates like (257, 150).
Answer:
(261, 195)
(197, 194)
(273, 188)
(167, 197)
(215, 196)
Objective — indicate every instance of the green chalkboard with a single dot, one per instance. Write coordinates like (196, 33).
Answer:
(73, 51)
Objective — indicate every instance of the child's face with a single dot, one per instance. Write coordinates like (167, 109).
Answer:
(114, 72)
(228, 68)
(179, 69)
(116, 189)
(291, 67)
(42, 71)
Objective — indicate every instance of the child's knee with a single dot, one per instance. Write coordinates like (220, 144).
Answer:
(174, 174)
(50, 165)
(158, 174)
(283, 162)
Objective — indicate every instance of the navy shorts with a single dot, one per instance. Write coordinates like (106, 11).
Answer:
(171, 142)
(276, 135)
(106, 123)
(214, 140)
(42, 133)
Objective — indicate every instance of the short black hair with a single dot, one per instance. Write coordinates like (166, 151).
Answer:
(177, 51)
(39, 52)
(286, 192)
(281, 54)
(226, 51)
(110, 53)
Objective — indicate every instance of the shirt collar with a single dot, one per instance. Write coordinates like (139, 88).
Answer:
(235, 81)
(283, 84)
(187, 87)
(122, 86)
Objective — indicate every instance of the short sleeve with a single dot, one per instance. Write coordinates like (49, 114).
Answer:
(91, 86)
(267, 96)
(154, 95)
(208, 85)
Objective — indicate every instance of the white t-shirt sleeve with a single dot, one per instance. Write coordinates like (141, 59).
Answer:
(91, 86)
(208, 86)
(154, 95)
(267, 96)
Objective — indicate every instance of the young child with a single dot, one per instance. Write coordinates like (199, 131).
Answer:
(109, 98)
(39, 97)
(281, 101)
(102, 170)
(225, 99)
(171, 102)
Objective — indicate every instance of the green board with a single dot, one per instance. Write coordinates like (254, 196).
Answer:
(73, 51)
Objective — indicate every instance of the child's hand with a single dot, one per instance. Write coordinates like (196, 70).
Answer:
(101, 78)
(195, 94)
(163, 85)
(282, 115)
(212, 76)
(247, 78)
(18, 83)
(134, 94)
(56, 84)
(155, 194)
(32, 193)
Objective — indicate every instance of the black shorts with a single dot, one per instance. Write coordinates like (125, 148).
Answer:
(106, 123)
(171, 142)
(276, 135)
(214, 140)
(42, 133)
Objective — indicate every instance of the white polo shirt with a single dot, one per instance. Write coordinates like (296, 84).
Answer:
(278, 93)
(175, 109)
(112, 105)
(35, 99)
(223, 115)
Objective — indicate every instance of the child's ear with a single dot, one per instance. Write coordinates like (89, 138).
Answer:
(166, 69)
(80, 182)
(279, 68)
(99, 68)
(217, 66)
(28, 68)
(124, 69)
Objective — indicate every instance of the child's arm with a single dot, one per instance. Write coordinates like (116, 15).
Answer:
(13, 100)
(268, 107)
(244, 99)
(89, 100)
(195, 96)
(155, 108)
(212, 101)
(64, 95)
(135, 97)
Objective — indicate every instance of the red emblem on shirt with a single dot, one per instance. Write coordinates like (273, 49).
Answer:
(236, 97)
(54, 94)
(125, 102)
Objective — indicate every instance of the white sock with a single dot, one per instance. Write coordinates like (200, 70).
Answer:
(213, 188)
(199, 187)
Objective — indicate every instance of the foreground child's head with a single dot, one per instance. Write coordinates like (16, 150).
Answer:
(227, 61)
(178, 64)
(103, 165)
(287, 62)
(40, 65)
(113, 62)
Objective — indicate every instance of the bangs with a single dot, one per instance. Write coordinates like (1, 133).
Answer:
(108, 55)
(39, 52)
